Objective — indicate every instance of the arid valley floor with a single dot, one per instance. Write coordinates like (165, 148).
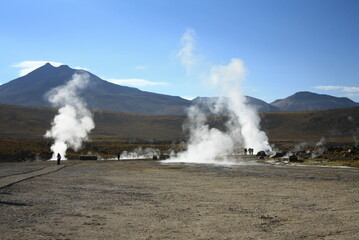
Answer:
(148, 200)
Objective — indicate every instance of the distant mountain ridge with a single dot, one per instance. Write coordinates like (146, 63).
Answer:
(29, 90)
(308, 101)
(207, 103)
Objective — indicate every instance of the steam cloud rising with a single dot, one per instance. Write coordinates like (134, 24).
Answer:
(210, 145)
(186, 53)
(73, 122)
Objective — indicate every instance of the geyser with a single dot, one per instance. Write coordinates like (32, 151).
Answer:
(73, 122)
(210, 145)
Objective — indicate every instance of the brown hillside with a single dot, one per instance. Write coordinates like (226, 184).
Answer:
(338, 125)
(32, 123)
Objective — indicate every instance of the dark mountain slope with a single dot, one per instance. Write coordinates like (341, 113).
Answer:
(260, 105)
(30, 89)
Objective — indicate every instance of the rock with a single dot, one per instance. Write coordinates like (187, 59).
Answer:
(294, 158)
(88, 157)
(261, 154)
(164, 156)
(278, 155)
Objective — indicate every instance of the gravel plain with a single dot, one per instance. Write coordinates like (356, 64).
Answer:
(144, 199)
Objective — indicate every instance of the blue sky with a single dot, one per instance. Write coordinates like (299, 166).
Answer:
(167, 46)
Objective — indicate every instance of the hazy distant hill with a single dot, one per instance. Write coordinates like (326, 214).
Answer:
(339, 125)
(307, 101)
(29, 90)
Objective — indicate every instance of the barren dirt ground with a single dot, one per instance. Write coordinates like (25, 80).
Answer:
(147, 200)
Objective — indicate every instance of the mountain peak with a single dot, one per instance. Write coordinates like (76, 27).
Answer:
(64, 67)
(304, 93)
(308, 101)
(48, 65)
(49, 69)
(29, 90)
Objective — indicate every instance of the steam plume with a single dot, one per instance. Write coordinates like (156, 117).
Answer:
(186, 53)
(244, 120)
(319, 148)
(140, 153)
(73, 122)
(208, 145)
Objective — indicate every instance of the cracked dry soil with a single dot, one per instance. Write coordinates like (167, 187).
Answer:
(147, 200)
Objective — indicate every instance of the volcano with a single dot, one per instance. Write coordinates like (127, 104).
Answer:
(30, 89)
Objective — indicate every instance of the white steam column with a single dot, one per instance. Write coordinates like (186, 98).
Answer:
(73, 122)
(244, 120)
(210, 145)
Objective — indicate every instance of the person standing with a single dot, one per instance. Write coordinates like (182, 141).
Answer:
(58, 158)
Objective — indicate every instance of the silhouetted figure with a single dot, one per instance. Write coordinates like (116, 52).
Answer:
(58, 158)
(118, 156)
(245, 151)
(250, 151)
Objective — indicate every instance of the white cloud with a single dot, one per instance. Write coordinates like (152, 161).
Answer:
(135, 82)
(29, 66)
(188, 98)
(346, 89)
(186, 54)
